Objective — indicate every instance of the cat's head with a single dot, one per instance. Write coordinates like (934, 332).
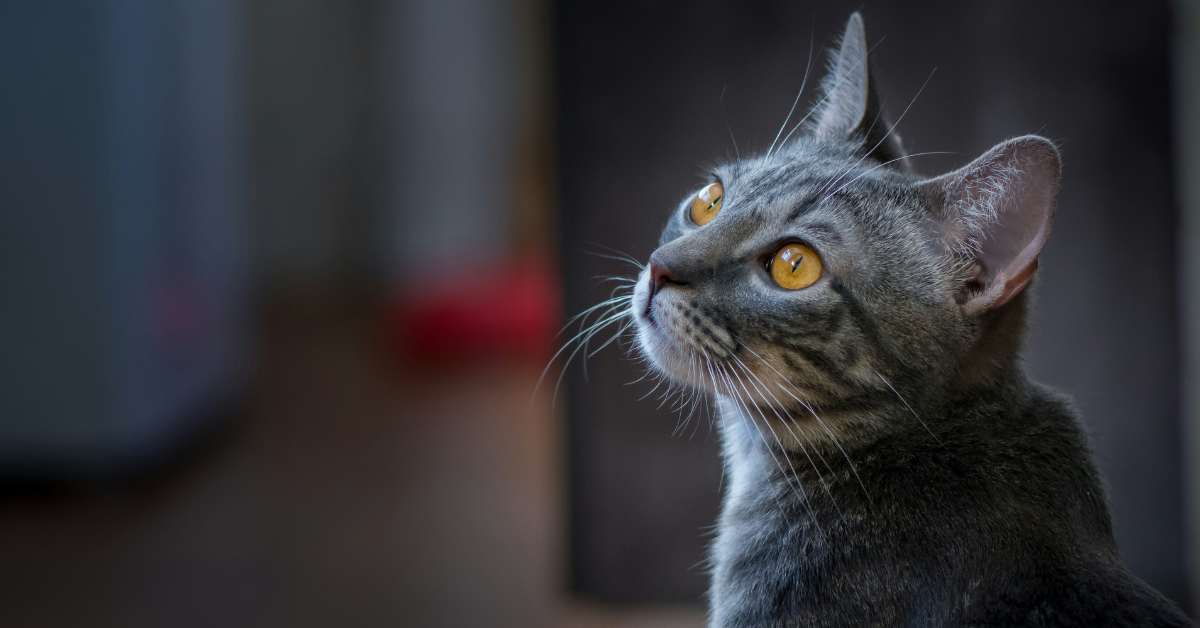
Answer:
(825, 273)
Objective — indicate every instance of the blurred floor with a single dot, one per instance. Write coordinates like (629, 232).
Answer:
(353, 493)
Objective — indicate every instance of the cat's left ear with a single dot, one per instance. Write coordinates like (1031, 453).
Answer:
(850, 110)
(996, 213)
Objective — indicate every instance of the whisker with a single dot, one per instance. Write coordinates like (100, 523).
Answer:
(692, 386)
(807, 67)
(618, 255)
(614, 313)
(590, 331)
(704, 396)
(712, 377)
(905, 402)
(798, 487)
(583, 314)
(788, 427)
(833, 180)
(721, 102)
(808, 407)
(747, 422)
(832, 90)
(890, 161)
(620, 331)
(762, 387)
(566, 345)
(885, 135)
(617, 278)
(660, 381)
(687, 401)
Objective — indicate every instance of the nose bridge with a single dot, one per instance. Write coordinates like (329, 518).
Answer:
(704, 252)
(690, 259)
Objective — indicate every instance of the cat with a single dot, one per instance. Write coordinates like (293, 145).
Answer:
(859, 328)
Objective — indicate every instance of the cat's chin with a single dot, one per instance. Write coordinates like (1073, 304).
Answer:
(663, 354)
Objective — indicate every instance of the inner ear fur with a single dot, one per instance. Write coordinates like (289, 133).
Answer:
(850, 108)
(995, 215)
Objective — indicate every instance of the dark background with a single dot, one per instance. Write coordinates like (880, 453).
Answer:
(651, 92)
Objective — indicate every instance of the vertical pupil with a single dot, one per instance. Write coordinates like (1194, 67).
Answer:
(795, 266)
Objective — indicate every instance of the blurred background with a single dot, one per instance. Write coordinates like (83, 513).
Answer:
(278, 279)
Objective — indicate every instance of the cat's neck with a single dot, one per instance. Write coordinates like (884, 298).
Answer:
(751, 432)
(755, 439)
(994, 359)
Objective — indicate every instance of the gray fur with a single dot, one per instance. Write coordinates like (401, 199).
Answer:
(889, 462)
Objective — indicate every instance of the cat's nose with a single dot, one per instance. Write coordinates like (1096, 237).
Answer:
(660, 275)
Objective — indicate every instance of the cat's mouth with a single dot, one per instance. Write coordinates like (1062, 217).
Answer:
(678, 336)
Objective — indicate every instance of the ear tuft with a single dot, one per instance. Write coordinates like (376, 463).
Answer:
(996, 214)
(850, 109)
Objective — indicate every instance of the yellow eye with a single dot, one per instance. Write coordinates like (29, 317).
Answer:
(707, 203)
(795, 266)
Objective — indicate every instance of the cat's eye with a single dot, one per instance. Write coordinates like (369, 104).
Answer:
(707, 203)
(795, 266)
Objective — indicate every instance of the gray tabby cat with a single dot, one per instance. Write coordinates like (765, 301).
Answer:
(889, 462)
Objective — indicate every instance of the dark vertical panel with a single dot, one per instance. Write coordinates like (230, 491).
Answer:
(312, 78)
(52, 208)
(646, 91)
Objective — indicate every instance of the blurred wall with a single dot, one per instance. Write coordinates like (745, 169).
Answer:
(314, 83)
(123, 323)
(467, 124)
(363, 142)
(651, 93)
(392, 137)
(449, 173)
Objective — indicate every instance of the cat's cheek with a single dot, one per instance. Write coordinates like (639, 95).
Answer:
(659, 345)
(655, 347)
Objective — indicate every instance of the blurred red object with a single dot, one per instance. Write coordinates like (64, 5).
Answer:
(512, 312)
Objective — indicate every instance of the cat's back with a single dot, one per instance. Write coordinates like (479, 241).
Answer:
(993, 516)
(1004, 498)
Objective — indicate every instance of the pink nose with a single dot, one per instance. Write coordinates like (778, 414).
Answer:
(659, 275)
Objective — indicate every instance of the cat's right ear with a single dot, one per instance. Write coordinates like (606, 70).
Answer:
(996, 214)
